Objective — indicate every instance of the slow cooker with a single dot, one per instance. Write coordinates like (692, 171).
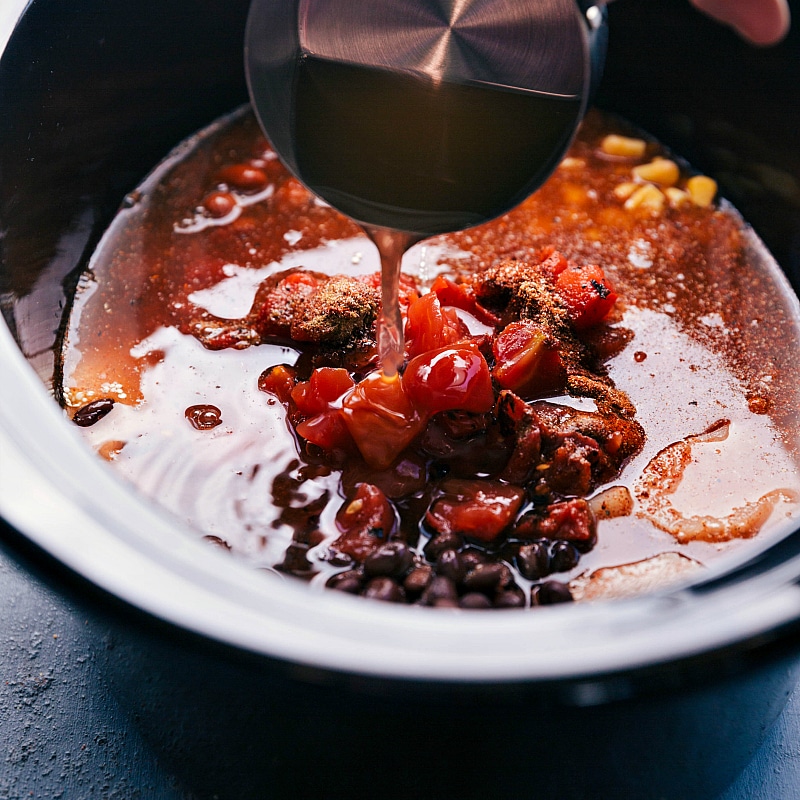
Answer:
(665, 695)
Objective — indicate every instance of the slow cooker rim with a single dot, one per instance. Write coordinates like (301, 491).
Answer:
(57, 494)
(691, 611)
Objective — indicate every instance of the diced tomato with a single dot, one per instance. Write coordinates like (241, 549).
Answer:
(366, 520)
(571, 520)
(526, 362)
(460, 295)
(326, 430)
(316, 406)
(429, 326)
(325, 386)
(450, 378)
(381, 418)
(552, 261)
(479, 509)
(586, 293)
(278, 381)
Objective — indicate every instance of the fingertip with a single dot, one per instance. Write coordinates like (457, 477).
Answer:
(766, 29)
(760, 22)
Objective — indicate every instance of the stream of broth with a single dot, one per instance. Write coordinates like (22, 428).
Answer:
(430, 157)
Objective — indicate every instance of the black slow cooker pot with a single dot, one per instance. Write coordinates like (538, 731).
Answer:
(252, 686)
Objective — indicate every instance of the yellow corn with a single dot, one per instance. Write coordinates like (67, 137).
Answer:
(624, 190)
(647, 197)
(614, 145)
(354, 507)
(662, 171)
(702, 190)
(677, 197)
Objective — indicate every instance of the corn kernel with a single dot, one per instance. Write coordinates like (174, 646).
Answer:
(354, 507)
(572, 163)
(647, 197)
(677, 197)
(662, 171)
(702, 190)
(624, 190)
(614, 145)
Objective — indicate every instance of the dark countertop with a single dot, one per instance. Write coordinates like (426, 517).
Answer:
(64, 736)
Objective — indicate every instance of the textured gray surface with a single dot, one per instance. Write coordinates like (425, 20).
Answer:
(63, 736)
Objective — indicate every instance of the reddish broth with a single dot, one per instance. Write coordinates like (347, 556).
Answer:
(220, 353)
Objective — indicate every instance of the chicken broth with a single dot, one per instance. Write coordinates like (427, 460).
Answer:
(598, 395)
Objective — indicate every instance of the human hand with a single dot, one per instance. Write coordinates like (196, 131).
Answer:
(761, 22)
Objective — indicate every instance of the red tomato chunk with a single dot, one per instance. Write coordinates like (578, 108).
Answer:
(586, 294)
(478, 509)
(570, 520)
(381, 419)
(366, 521)
(325, 386)
(429, 326)
(318, 400)
(526, 361)
(450, 379)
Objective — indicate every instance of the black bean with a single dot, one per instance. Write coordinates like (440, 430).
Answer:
(440, 589)
(350, 582)
(418, 579)
(475, 600)
(549, 593)
(438, 544)
(533, 561)
(383, 588)
(337, 559)
(295, 561)
(487, 578)
(93, 412)
(392, 558)
(471, 558)
(449, 564)
(564, 556)
(510, 598)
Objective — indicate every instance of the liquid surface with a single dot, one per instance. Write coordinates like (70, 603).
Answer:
(161, 336)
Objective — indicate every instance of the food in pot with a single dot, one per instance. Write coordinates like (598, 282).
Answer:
(598, 394)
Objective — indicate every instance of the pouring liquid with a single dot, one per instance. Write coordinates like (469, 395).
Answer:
(391, 247)
(408, 157)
